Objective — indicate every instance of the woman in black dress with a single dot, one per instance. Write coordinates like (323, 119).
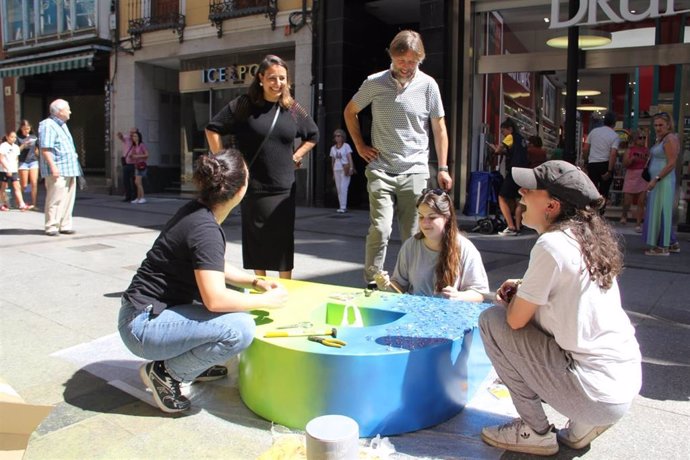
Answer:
(265, 123)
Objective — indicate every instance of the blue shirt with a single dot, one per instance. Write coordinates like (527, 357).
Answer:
(54, 135)
(401, 120)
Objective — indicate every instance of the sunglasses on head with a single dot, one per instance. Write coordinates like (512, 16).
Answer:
(435, 191)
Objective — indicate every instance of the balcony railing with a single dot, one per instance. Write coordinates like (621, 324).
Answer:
(151, 15)
(220, 10)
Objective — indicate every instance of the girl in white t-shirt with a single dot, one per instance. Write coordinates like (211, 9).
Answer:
(438, 260)
(560, 334)
(9, 167)
(343, 167)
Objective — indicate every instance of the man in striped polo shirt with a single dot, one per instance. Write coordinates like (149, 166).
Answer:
(59, 167)
(405, 106)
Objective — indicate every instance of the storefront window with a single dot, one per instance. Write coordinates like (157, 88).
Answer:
(636, 71)
(197, 109)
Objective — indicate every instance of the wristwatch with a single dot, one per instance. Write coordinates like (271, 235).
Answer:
(443, 168)
(657, 178)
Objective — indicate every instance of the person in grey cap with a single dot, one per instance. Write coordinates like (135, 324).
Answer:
(560, 334)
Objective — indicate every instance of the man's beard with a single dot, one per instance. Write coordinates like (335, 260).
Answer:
(402, 79)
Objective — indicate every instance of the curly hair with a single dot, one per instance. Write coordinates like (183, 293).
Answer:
(599, 244)
(219, 177)
(256, 92)
(448, 265)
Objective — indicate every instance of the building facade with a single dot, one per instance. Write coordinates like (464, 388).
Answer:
(167, 66)
(58, 49)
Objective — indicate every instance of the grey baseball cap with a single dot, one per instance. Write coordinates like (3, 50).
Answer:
(561, 179)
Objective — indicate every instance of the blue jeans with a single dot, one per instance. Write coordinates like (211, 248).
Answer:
(189, 338)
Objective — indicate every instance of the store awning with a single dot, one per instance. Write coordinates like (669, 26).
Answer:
(56, 64)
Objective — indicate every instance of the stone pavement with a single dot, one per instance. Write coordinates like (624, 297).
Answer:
(58, 342)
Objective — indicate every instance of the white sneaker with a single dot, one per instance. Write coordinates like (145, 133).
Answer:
(578, 435)
(135, 201)
(508, 232)
(516, 436)
(142, 201)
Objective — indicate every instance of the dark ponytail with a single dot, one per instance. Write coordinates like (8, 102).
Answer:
(219, 177)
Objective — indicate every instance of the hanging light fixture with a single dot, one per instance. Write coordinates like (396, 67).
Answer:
(584, 92)
(587, 105)
(588, 38)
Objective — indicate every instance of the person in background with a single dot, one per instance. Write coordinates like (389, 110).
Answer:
(128, 165)
(406, 107)
(560, 335)
(600, 153)
(139, 154)
(514, 148)
(439, 260)
(658, 229)
(634, 186)
(557, 153)
(178, 311)
(265, 123)
(9, 162)
(28, 160)
(536, 154)
(60, 169)
(343, 167)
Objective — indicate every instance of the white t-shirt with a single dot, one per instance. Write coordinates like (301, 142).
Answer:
(340, 156)
(10, 152)
(416, 264)
(586, 321)
(601, 140)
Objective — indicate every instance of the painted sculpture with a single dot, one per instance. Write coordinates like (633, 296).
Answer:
(406, 362)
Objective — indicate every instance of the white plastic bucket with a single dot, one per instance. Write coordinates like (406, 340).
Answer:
(332, 437)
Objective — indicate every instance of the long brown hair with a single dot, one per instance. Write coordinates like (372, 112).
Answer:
(599, 244)
(256, 92)
(407, 40)
(448, 265)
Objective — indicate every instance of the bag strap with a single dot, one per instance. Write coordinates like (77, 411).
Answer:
(270, 130)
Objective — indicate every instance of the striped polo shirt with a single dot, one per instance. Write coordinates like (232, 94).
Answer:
(401, 127)
(54, 135)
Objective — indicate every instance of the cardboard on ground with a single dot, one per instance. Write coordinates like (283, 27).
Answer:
(17, 421)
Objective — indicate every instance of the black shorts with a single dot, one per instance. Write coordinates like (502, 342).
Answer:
(509, 189)
(9, 177)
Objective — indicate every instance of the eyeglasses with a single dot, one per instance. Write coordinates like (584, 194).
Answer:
(337, 135)
(642, 137)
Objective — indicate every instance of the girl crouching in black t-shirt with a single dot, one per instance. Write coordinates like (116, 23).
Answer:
(177, 311)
